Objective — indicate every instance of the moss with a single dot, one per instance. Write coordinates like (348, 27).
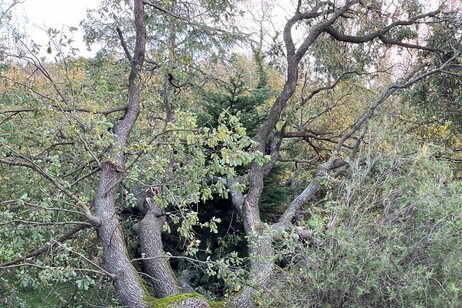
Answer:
(217, 304)
(168, 302)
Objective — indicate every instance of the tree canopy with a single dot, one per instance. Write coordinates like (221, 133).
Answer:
(208, 156)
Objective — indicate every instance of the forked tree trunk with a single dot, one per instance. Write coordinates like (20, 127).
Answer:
(115, 258)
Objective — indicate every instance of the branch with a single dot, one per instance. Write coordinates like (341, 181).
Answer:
(112, 276)
(43, 249)
(51, 208)
(13, 113)
(380, 33)
(391, 89)
(83, 177)
(287, 32)
(310, 191)
(293, 59)
(313, 161)
(17, 111)
(317, 30)
(124, 44)
(37, 63)
(76, 109)
(31, 165)
(102, 112)
(274, 152)
(38, 223)
(389, 41)
(166, 12)
(304, 99)
(334, 162)
(5, 12)
(308, 134)
(237, 197)
(39, 155)
(46, 267)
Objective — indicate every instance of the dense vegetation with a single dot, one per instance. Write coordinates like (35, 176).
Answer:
(207, 157)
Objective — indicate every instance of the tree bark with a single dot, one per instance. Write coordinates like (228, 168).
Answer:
(260, 235)
(115, 258)
(154, 260)
(261, 253)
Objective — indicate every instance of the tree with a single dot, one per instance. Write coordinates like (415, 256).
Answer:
(331, 20)
(157, 161)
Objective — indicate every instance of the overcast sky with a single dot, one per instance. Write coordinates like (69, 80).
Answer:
(33, 15)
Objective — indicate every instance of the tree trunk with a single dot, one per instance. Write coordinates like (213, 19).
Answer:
(155, 261)
(115, 258)
(261, 268)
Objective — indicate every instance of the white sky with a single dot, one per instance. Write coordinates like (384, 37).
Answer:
(32, 15)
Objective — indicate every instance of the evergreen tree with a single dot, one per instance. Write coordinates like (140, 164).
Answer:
(238, 97)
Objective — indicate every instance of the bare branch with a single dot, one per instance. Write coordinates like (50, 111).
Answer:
(39, 223)
(325, 88)
(112, 276)
(317, 30)
(86, 176)
(390, 90)
(46, 267)
(381, 32)
(124, 44)
(157, 7)
(323, 172)
(8, 9)
(51, 208)
(311, 190)
(389, 41)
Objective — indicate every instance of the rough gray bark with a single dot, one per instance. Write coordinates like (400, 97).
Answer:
(154, 260)
(115, 258)
(261, 253)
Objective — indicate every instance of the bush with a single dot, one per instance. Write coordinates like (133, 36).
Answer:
(392, 238)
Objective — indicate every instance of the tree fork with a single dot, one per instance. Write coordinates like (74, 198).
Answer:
(115, 256)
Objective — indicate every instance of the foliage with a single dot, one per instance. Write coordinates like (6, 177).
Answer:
(441, 97)
(226, 176)
(240, 96)
(391, 237)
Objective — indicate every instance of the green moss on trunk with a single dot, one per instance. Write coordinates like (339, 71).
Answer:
(172, 301)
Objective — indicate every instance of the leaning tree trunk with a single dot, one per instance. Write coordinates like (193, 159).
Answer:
(155, 262)
(115, 257)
